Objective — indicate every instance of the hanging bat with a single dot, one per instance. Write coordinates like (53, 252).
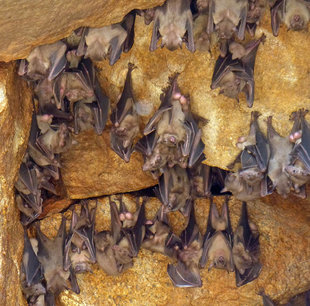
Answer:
(256, 10)
(254, 156)
(186, 272)
(228, 17)
(79, 249)
(174, 190)
(32, 278)
(218, 239)
(115, 249)
(246, 250)
(234, 73)
(51, 256)
(125, 121)
(280, 149)
(44, 61)
(159, 236)
(206, 180)
(294, 13)
(173, 22)
(201, 37)
(109, 41)
(299, 166)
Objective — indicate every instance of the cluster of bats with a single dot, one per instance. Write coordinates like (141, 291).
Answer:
(272, 163)
(50, 266)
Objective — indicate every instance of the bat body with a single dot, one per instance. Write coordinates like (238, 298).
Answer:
(246, 250)
(79, 249)
(280, 149)
(125, 120)
(174, 190)
(294, 13)
(234, 73)
(45, 61)
(51, 257)
(218, 239)
(116, 249)
(227, 17)
(32, 274)
(186, 272)
(159, 236)
(173, 22)
(109, 41)
(256, 10)
(299, 166)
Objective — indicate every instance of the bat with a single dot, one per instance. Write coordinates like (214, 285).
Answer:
(256, 10)
(280, 149)
(206, 180)
(79, 249)
(295, 14)
(46, 61)
(267, 301)
(228, 17)
(186, 272)
(173, 22)
(159, 236)
(109, 41)
(254, 156)
(115, 249)
(174, 190)
(32, 277)
(299, 166)
(51, 256)
(201, 37)
(125, 121)
(234, 73)
(246, 250)
(218, 239)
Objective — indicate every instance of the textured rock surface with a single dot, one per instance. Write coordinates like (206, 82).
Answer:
(285, 263)
(282, 77)
(41, 22)
(92, 169)
(15, 119)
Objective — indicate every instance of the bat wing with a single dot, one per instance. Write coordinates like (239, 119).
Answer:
(182, 277)
(147, 144)
(58, 62)
(189, 28)
(81, 50)
(191, 232)
(242, 23)
(116, 49)
(155, 34)
(87, 235)
(162, 191)
(196, 153)
(129, 25)
(73, 281)
(249, 275)
(275, 18)
(119, 149)
(28, 177)
(116, 224)
(210, 26)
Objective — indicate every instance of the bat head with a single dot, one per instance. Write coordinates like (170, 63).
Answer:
(171, 39)
(233, 183)
(298, 173)
(297, 22)
(225, 29)
(251, 175)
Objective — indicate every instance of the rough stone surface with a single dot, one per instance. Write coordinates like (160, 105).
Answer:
(285, 272)
(42, 22)
(92, 169)
(15, 119)
(282, 77)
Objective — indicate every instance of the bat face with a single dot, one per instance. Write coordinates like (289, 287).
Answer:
(125, 121)
(256, 10)
(186, 272)
(174, 23)
(246, 250)
(79, 247)
(44, 61)
(228, 17)
(234, 73)
(217, 245)
(51, 257)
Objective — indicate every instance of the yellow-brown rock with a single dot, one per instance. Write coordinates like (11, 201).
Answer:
(282, 77)
(43, 22)
(90, 168)
(15, 119)
(284, 238)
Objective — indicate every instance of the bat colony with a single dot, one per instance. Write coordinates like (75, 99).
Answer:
(69, 99)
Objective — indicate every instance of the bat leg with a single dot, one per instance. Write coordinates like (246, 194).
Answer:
(182, 277)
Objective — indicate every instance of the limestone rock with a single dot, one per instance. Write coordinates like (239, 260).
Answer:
(91, 169)
(44, 22)
(284, 239)
(281, 74)
(15, 119)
